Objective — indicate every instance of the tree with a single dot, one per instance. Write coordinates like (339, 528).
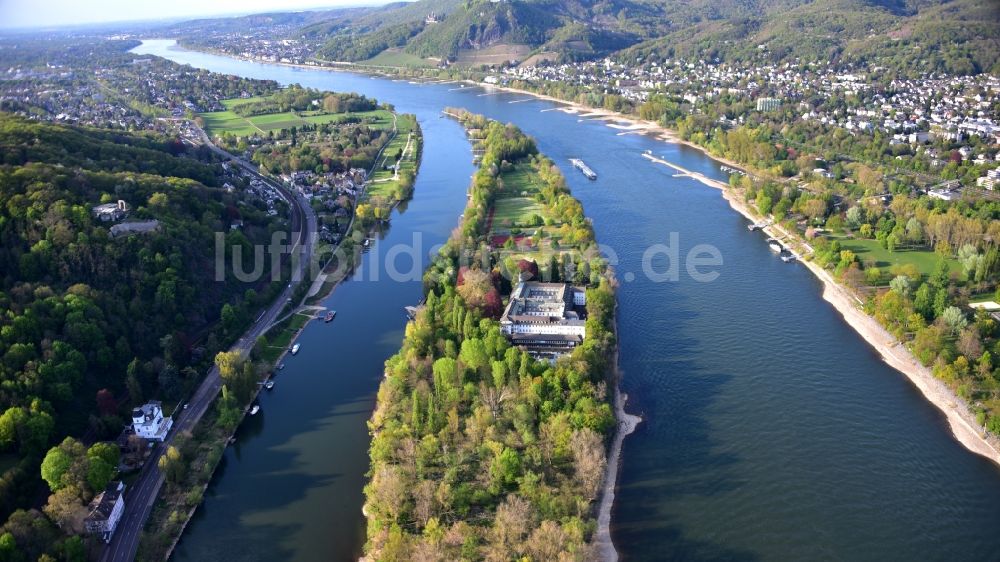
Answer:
(171, 464)
(914, 231)
(102, 461)
(474, 286)
(855, 216)
(514, 520)
(65, 465)
(106, 403)
(473, 354)
(588, 460)
(228, 363)
(954, 319)
(505, 468)
(389, 491)
(901, 284)
(66, 509)
(547, 541)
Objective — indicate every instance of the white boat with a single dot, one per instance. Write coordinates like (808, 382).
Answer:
(254, 410)
(269, 385)
(584, 169)
(774, 245)
(788, 258)
(295, 349)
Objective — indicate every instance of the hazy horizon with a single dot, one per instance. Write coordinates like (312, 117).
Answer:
(27, 14)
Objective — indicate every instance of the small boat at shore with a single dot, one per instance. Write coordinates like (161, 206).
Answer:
(295, 349)
(254, 410)
(756, 226)
(330, 316)
(774, 245)
(269, 385)
(788, 258)
(281, 367)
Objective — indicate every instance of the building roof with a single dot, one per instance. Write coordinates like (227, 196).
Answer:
(148, 411)
(536, 303)
(104, 504)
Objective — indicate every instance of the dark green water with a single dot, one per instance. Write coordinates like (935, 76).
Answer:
(772, 431)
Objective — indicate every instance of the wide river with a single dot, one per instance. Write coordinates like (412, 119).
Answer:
(771, 430)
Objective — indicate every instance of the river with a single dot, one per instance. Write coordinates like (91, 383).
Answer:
(771, 430)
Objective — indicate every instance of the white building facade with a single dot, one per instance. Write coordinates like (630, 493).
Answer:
(106, 511)
(148, 422)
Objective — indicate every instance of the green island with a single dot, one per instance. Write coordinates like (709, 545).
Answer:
(481, 450)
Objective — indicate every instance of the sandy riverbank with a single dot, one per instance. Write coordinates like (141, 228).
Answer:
(604, 546)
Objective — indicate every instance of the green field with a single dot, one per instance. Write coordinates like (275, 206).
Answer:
(516, 204)
(924, 260)
(397, 58)
(383, 182)
(517, 210)
(219, 122)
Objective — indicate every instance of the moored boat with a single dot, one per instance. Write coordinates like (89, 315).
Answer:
(254, 410)
(295, 349)
(330, 316)
(269, 385)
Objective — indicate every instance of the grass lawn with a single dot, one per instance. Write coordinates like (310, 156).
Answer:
(218, 122)
(397, 58)
(382, 180)
(515, 209)
(522, 179)
(924, 260)
(279, 338)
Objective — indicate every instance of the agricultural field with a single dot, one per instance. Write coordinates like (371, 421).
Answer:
(396, 58)
(219, 122)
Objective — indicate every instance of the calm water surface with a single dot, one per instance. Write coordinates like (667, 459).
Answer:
(771, 432)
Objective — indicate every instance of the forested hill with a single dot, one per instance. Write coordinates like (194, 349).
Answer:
(92, 323)
(958, 36)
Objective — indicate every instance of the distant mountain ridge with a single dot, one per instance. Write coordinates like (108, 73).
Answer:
(957, 36)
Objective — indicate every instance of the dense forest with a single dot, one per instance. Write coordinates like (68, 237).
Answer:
(94, 323)
(480, 451)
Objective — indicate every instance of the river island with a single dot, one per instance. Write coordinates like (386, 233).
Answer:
(489, 434)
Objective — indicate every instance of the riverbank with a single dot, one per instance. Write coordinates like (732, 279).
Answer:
(626, 424)
(893, 352)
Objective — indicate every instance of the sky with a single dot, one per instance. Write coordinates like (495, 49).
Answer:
(45, 13)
